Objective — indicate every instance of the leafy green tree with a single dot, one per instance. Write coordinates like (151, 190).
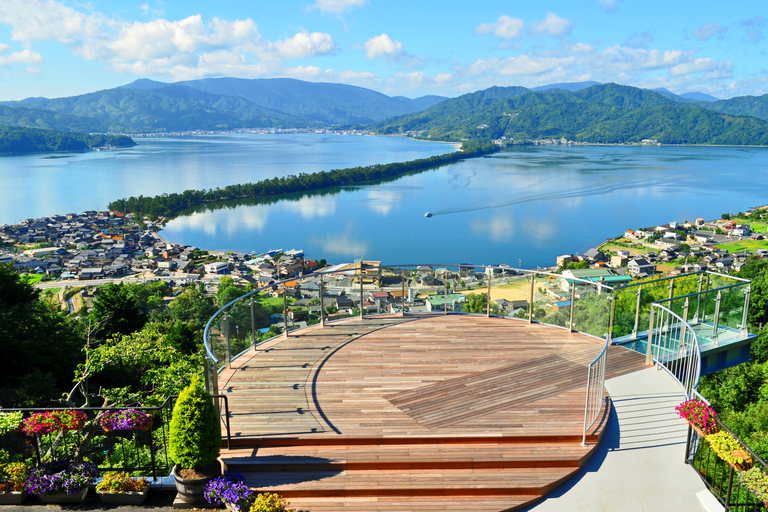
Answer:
(35, 339)
(192, 305)
(116, 310)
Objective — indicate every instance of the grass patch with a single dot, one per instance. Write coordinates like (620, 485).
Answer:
(32, 279)
(757, 226)
(634, 250)
(743, 245)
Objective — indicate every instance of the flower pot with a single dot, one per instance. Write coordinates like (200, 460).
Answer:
(124, 498)
(63, 497)
(13, 497)
(189, 491)
(701, 432)
(741, 455)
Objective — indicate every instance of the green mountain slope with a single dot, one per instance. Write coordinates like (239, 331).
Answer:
(326, 103)
(169, 108)
(606, 113)
(18, 140)
(755, 106)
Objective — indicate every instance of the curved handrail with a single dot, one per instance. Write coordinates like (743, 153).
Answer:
(674, 346)
(206, 331)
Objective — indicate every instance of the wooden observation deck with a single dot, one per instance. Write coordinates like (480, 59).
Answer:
(417, 413)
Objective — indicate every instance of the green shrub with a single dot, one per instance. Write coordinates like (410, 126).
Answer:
(10, 421)
(194, 438)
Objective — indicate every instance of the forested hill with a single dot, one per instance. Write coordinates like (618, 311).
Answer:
(146, 106)
(606, 113)
(19, 141)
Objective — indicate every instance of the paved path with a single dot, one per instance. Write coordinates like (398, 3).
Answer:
(639, 463)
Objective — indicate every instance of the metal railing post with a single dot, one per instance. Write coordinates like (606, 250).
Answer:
(573, 300)
(745, 313)
(716, 320)
(586, 407)
(285, 311)
(322, 300)
(530, 299)
(253, 322)
(671, 289)
(637, 311)
(649, 351)
(488, 303)
(402, 302)
(362, 308)
(445, 297)
(686, 305)
(610, 320)
(226, 338)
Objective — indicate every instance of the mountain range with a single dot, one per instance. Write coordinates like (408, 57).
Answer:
(602, 113)
(588, 111)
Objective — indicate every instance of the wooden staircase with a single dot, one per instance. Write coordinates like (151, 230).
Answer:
(484, 474)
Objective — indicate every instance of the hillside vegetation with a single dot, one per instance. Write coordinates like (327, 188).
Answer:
(606, 113)
(17, 141)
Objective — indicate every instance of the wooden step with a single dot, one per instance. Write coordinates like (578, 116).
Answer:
(446, 482)
(407, 457)
(412, 504)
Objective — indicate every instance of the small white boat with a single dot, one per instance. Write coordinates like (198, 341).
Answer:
(428, 214)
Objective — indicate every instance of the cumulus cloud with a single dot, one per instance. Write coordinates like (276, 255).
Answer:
(305, 44)
(385, 48)
(505, 27)
(710, 30)
(25, 56)
(552, 24)
(337, 6)
(183, 49)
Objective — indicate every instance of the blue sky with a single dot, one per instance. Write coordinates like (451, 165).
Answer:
(57, 48)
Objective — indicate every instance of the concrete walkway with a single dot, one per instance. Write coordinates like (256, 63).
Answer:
(639, 465)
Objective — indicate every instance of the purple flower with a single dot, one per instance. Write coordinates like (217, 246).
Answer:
(230, 488)
(61, 475)
(125, 419)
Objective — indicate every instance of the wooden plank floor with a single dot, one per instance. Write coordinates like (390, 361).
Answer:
(428, 413)
(417, 376)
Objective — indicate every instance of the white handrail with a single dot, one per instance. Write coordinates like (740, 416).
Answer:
(674, 347)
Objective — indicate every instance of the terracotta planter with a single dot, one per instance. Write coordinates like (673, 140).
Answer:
(702, 433)
(63, 497)
(747, 464)
(124, 498)
(13, 497)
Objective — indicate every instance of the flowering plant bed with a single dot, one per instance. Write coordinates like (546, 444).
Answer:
(756, 481)
(730, 450)
(699, 415)
(54, 421)
(231, 490)
(13, 475)
(122, 489)
(10, 421)
(125, 419)
(61, 476)
(270, 502)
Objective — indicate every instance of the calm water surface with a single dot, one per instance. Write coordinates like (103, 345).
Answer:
(523, 206)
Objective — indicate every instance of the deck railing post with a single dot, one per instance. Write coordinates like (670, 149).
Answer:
(226, 338)
(686, 305)
(730, 488)
(573, 300)
(612, 298)
(285, 311)
(530, 298)
(637, 311)
(745, 313)
(362, 307)
(649, 350)
(716, 320)
(402, 303)
(688, 444)
(445, 297)
(322, 300)
(671, 289)
(586, 407)
(253, 322)
(488, 304)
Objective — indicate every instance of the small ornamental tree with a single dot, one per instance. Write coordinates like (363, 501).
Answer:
(195, 432)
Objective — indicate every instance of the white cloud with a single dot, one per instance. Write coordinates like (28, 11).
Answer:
(383, 47)
(710, 30)
(505, 27)
(701, 66)
(182, 49)
(639, 40)
(754, 27)
(305, 44)
(552, 24)
(337, 6)
(25, 56)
